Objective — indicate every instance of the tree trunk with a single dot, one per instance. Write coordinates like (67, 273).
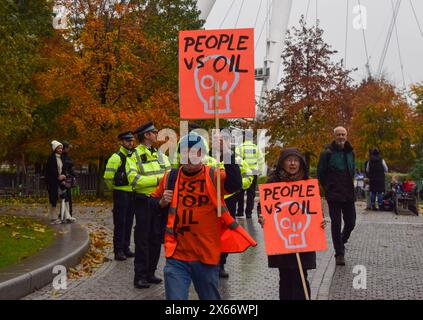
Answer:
(100, 172)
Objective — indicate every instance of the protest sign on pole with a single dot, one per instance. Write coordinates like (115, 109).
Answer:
(216, 77)
(293, 219)
(210, 57)
(293, 214)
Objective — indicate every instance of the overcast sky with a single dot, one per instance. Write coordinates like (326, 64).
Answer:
(332, 16)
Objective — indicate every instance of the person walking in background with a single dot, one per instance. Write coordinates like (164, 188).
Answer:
(123, 198)
(376, 168)
(69, 172)
(55, 181)
(335, 171)
(359, 184)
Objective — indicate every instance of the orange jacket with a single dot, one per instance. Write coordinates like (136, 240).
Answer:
(233, 237)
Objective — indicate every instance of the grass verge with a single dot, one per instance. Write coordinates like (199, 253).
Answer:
(21, 237)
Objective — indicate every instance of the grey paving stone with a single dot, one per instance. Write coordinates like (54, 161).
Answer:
(389, 246)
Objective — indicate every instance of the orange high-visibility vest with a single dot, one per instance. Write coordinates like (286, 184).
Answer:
(234, 238)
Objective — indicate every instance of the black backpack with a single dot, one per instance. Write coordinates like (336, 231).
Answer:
(121, 179)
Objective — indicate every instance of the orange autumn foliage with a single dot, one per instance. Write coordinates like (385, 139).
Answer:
(383, 119)
(107, 74)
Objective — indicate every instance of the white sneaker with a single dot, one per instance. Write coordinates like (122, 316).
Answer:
(55, 221)
(71, 219)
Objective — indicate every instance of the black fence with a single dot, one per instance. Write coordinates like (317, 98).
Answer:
(12, 184)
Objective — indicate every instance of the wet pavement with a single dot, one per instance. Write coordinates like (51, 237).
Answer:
(390, 247)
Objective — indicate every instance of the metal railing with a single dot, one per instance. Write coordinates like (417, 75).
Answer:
(34, 184)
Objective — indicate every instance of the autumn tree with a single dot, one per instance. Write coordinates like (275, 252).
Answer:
(106, 73)
(383, 119)
(313, 95)
(23, 25)
(417, 94)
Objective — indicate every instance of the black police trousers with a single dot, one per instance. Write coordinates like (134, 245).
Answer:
(148, 238)
(251, 194)
(123, 218)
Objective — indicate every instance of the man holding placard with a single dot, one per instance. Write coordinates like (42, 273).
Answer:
(291, 214)
(195, 235)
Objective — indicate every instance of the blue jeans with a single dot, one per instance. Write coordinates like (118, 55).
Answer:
(178, 275)
(379, 198)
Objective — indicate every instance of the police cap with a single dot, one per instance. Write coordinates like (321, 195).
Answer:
(127, 135)
(144, 128)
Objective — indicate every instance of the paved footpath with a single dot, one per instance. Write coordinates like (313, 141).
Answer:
(389, 246)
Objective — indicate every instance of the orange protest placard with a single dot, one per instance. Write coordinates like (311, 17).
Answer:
(216, 57)
(293, 216)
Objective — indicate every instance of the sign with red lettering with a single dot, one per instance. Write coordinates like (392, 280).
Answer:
(293, 217)
(222, 58)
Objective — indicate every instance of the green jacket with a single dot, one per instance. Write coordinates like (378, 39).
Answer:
(335, 171)
(112, 166)
(146, 168)
(252, 155)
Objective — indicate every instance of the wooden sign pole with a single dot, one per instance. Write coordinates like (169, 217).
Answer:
(216, 113)
(300, 267)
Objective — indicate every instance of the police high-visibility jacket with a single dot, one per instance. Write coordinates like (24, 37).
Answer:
(193, 230)
(112, 166)
(146, 168)
(252, 155)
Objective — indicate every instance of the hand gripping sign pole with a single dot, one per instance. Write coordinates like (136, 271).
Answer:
(300, 267)
(216, 113)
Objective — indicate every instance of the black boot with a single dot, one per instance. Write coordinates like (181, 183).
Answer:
(154, 279)
(141, 283)
(129, 254)
(120, 256)
(223, 273)
(340, 260)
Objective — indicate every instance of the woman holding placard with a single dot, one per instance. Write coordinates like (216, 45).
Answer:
(291, 166)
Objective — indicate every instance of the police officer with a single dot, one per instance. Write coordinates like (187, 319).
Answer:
(123, 198)
(231, 200)
(147, 167)
(255, 160)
